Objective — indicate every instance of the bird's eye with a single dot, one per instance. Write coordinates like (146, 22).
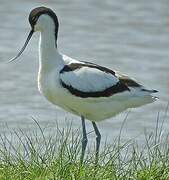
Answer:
(34, 19)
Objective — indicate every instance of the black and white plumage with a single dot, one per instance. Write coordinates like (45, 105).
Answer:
(84, 80)
(86, 89)
(99, 92)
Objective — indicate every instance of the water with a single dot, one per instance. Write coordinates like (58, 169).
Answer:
(127, 35)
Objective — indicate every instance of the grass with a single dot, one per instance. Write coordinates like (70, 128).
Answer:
(37, 156)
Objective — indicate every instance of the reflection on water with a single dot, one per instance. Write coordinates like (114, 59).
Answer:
(130, 36)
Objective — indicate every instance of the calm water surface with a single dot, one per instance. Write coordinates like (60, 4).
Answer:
(127, 35)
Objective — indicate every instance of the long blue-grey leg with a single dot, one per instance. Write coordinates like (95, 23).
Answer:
(84, 139)
(98, 138)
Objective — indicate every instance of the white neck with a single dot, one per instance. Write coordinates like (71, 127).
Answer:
(48, 53)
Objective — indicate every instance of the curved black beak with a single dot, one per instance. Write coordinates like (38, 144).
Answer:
(24, 46)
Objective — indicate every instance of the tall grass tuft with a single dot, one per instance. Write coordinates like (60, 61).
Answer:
(38, 156)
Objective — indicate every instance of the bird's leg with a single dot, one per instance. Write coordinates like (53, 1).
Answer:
(98, 138)
(84, 139)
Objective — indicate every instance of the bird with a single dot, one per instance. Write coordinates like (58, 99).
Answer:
(83, 88)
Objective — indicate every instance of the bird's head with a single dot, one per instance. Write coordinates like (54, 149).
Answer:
(40, 18)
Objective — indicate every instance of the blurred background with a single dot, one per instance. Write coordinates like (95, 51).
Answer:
(126, 35)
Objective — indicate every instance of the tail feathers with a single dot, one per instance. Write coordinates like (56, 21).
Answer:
(150, 91)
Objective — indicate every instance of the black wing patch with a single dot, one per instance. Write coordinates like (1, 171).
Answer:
(74, 66)
(129, 82)
(119, 87)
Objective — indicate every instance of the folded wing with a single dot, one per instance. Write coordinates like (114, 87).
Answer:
(90, 80)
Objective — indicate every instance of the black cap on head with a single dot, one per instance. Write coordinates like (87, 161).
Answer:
(33, 17)
(35, 13)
